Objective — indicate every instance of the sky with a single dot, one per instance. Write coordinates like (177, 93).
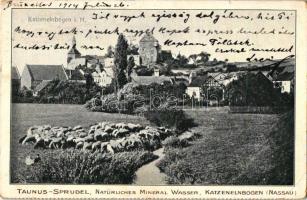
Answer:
(83, 21)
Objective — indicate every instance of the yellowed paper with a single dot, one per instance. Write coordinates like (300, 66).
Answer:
(153, 100)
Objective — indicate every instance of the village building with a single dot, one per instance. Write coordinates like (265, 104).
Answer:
(285, 80)
(40, 87)
(210, 87)
(77, 75)
(76, 60)
(147, 80)
(284, 83)
(149, 50)
(136, 58)
(109, 62)
(282, 76)
(103, 76)
(254, 89)
(33, 75)
(15, 77)
(222, 78)
(73, 53)
(182, 79)
(195, 87)
(74, 63)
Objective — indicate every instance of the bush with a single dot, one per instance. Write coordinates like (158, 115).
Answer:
(253, 90)
(175, 142)
(125, 101)
(78, 167)
(94, 102)
(170, 118)
(178, 171)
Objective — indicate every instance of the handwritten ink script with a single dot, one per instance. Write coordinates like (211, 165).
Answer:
(65, 5)
(251, 35)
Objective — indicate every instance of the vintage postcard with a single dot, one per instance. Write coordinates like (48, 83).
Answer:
(133, 99)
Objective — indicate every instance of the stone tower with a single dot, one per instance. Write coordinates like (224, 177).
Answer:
(149, 49)
(73, 53)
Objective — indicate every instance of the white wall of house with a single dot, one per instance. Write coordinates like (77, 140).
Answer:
(285, 86)
(103, 79)
(193, 91)
(109, 62)
(136, 58)
(26, 79)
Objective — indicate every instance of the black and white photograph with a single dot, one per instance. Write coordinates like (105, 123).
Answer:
(106, 93)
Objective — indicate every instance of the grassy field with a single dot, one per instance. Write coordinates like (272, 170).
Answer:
(26, 115)
(248, 149)
(232, 149)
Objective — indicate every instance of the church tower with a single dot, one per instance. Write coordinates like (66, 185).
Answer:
(73, 53)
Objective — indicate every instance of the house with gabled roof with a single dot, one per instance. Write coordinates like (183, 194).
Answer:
(33, 75)
(284, 81)
(73, 52)
(283, 78)
(210, 86)
(147, 80)
(194, 88)
(40, 87)
(77, 75)
(103, 77)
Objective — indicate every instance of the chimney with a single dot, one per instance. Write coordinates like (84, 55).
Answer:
(156, 72)
(191, 77)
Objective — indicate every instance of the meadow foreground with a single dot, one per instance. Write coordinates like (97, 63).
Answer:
(230, 149)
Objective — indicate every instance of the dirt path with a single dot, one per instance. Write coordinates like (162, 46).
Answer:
(150, 174)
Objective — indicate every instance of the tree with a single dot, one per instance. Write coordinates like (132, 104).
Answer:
(204, 57)
(231, 67)
(144, 71)
(165, 70)
(164, 56)
(193, 57)
(89, 81)
(182, 60)
(130, 66)
(253, 90)
(110, 52)
(120, 62)
(25, 92)
(132, 50)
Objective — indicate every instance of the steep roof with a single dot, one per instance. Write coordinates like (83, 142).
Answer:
(286, 76)
(75, 74)
(94, 58)
(47, 72)
(198, 81)
(74, 50)
(147, 80)
(15, 73)
(41, 86)
(75, 63)
(289, 68)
